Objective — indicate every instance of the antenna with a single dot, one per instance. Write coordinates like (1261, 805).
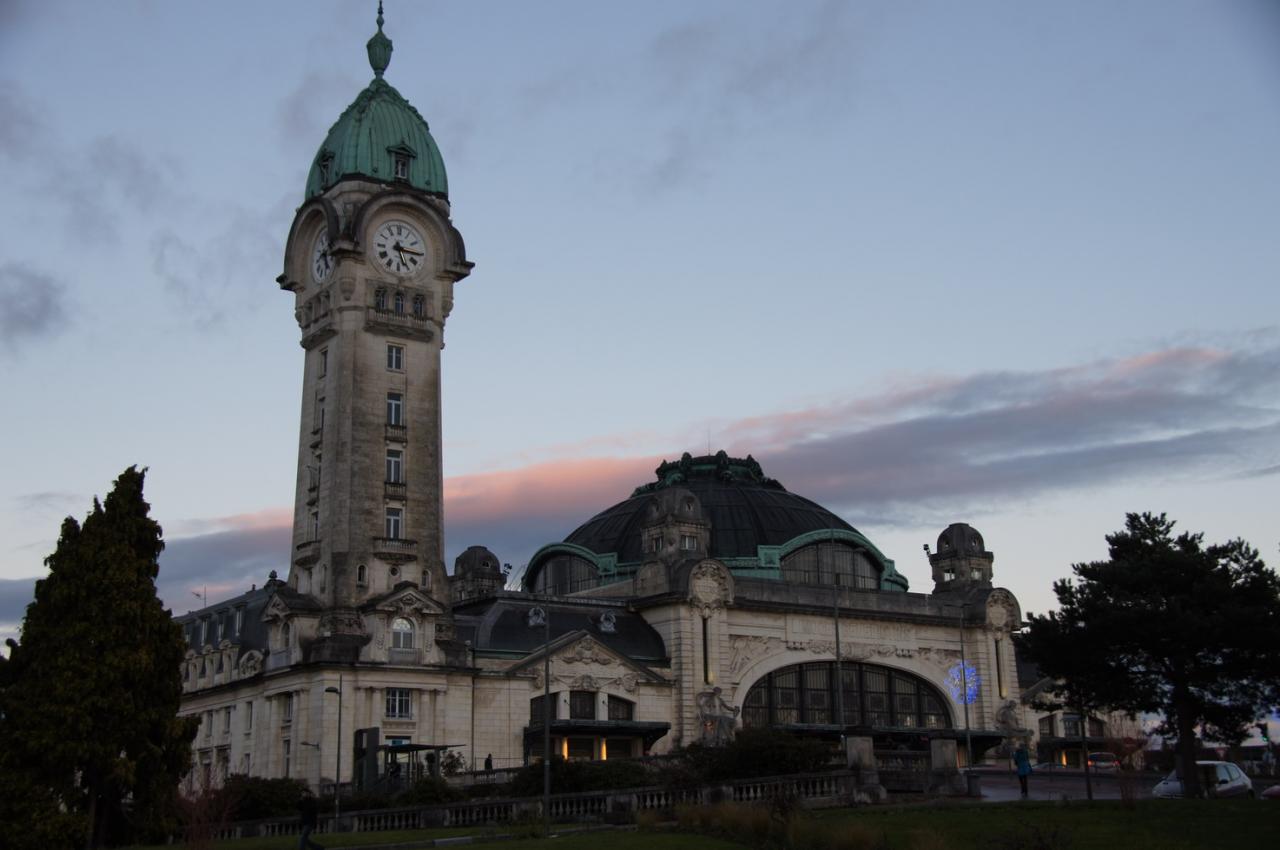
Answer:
(202, 595)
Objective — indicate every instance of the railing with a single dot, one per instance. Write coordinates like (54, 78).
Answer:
(395, 489)
(824, 789)
(397, 433)
(307, 551)
(395, 547)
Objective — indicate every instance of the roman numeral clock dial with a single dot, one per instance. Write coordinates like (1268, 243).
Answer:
(399, 248)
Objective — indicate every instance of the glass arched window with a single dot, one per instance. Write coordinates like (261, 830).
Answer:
(874, 696)
(380, 299)
(399, 302)
(401, 634)
(362, 574)
(564, 574)
(832, 562)
(418, 306)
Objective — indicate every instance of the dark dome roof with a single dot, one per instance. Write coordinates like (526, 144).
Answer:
(745, 509)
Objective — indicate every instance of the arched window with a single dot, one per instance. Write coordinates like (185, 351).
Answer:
(401, 634)
(399, 302)
(418, 306)
(362, 574)
(873, 696)
(380, 299)
(832, 562)
(285, 633)
(564, 574)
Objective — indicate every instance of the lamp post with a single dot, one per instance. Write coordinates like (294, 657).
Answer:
(542, 616)
(319, 767)
(963, 695)
(337, 771)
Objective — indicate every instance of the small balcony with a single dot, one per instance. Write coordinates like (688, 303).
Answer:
(307, 552)
(395, 490)
(397, 434)
(395, 549)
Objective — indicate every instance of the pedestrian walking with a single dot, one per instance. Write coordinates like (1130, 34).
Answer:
(1022, 761)
(310, 816)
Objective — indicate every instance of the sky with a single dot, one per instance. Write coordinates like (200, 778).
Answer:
(1006, 263)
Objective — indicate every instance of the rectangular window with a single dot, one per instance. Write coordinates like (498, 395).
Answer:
(395, 471)
(288, 755)
(208, 724)
(655, 543)
(817, 693)
(245, 763)
(621, 709)
(395, 409)
(315, 525)
(536, 715)
(1046, 726)
(319, 426)
(324, 363)
(395, 357)
(248, 716)
(618, 748)
(786, 696)
(398, 703)
(876, 685)
(402, 167)
(204, 630)
(1070, 726)
(1095, 728)
(226, 719)
(582, 705)
(394, 518)
(688, 542)
(239, 619)
(286, 708)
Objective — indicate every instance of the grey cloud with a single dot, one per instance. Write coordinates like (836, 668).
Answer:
(22, 133)
(233, 559)
(32, 305)
(49, 501)
(15, 595)
(306, 112)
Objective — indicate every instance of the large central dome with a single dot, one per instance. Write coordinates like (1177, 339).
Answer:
(746, 510)
(380, 136)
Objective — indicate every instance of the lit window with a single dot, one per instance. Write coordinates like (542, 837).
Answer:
(394, 518)
(398, 703)
(380, 299)
(395, 466)
(419, 306)
(399, 302)
(395, 357)
(395, 409)
(401, 634)
(362, 574)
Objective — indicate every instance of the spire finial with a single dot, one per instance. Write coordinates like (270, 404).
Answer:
(379, 48)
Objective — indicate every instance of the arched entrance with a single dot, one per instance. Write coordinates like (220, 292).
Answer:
(880, 701)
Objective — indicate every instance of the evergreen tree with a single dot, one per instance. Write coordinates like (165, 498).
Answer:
(1167, 625)
(89, 698)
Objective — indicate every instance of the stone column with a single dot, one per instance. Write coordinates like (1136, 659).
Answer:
(944, 773)
(861, 759)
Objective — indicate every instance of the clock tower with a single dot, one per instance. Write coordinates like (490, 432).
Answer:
(371, 259)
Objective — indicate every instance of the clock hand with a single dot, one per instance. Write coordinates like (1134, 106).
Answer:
(409, 251)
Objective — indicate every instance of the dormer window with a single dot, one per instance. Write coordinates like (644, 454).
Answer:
(402, 167)
(401, 156)
(326, 163)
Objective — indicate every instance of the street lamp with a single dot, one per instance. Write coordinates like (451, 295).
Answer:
(966, 693)
(337, 771)
(542, 617)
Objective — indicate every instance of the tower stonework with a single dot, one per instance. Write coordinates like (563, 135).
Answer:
(372, 259)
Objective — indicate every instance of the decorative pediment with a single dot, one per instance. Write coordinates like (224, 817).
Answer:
(580, 650)
(1003, 612)
(407, 600)
(276, 609)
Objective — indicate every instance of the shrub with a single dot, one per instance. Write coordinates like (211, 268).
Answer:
(429, 791)
(751, 753)
(578, 776)
(257, 797)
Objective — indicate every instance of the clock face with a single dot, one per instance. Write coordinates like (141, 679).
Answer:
(321, 259)
(399, 248)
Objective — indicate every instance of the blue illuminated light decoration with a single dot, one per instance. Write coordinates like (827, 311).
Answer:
(963, 682)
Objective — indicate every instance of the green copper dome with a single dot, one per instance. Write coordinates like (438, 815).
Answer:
(380, 136)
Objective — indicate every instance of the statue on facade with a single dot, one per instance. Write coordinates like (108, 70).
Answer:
(717, 717)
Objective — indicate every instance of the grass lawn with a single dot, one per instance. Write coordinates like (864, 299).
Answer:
(1152, 825)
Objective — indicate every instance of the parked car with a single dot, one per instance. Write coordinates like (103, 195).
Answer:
(1103, 761)
(1217, 778)
(1272, 793)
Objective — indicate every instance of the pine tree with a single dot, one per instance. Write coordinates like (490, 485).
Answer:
(89, 698)
(1167, 625)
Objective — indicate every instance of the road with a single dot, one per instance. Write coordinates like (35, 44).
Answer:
(1002, 786)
